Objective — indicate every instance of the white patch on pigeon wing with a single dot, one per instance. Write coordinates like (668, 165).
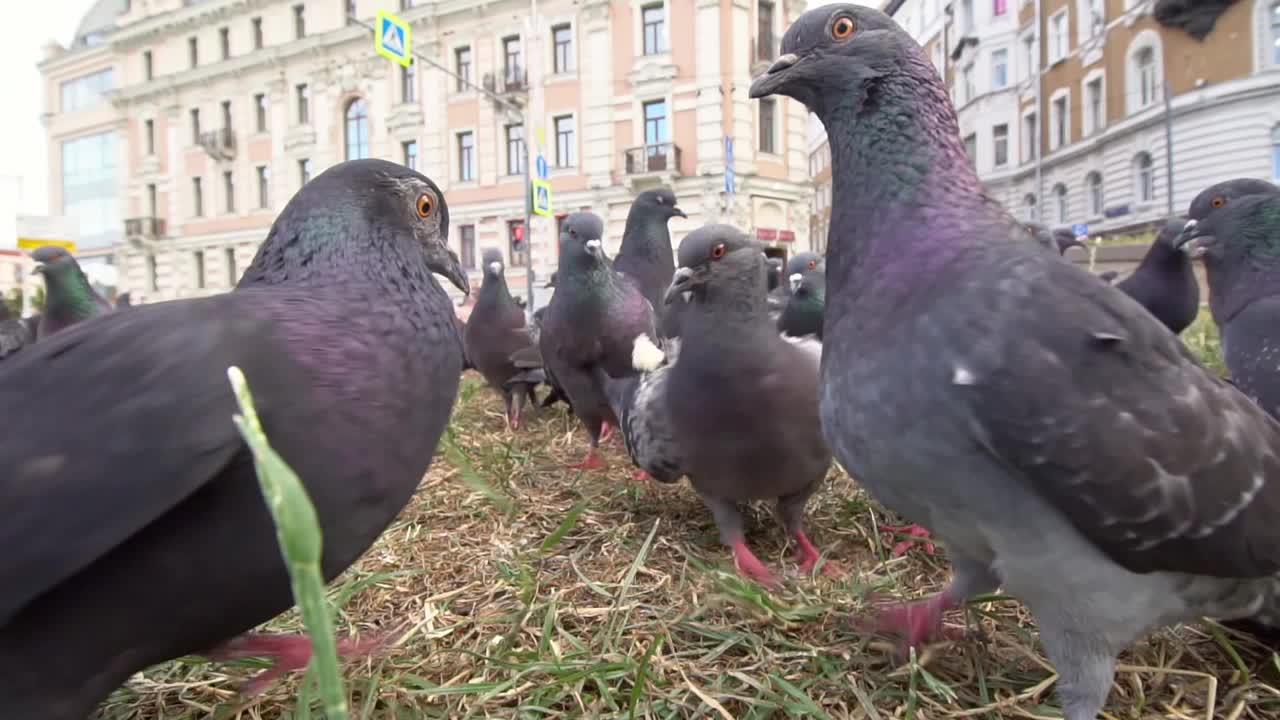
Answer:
(963, 376)
(645, 356)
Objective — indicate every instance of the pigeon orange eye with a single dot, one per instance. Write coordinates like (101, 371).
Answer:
(813, 264)
(717, 252)
(1218, 201)
(842, 28)
(426, 204)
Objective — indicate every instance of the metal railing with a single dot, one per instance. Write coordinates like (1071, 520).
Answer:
(144, 227)
(652, 158)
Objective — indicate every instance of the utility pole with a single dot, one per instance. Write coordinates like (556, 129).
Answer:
(1168, 144)
(526, 127)
(1035, 140)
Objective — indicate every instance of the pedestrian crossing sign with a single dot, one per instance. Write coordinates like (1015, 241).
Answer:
(542, 198)
(391, 38)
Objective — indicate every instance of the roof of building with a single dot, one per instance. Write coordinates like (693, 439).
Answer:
(98, 22)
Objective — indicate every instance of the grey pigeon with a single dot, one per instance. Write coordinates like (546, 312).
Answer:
(68, 298)
(14, 333)
(646, 253)
(741, 398)
(1059, 239)
(1050, 431)
(135, 528)
(1164, 282)
(1238, 238)
(803, 313)
(596, 318)
(124, 300)
(1109, 277)
(495, 333)
(795, 268)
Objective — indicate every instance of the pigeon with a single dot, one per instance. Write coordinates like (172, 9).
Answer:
(639, 403)
(646, 253)
(495, 333)
(596, 317)
(462, 333)
(1238, 239)
(796, 266)
(1058, 439)
(69, 298)
(135, 528)
(1109, 277)
(1059, 239)
(1164, 282)
(802, 315)
(741, 398)
(124, 301)
(14, 333)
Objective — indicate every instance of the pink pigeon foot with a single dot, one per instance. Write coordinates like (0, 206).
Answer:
(749, 566)
(591, 462)
(639, 476)
(913, 530)
(606, 431)
(807, 555)
(916, 622)
(288, 652)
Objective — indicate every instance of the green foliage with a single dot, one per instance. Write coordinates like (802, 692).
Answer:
(14, 301)
(1203, 340)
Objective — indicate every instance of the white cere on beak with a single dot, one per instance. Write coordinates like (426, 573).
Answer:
(593, 244)
(1191, 225)
(646, 356)
(962, 376)
(795, 281)
(687, 295)
(495, 267)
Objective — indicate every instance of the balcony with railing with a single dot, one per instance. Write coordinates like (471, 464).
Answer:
(219, 144)
(651, 159)
(515, 80)
(147, 228)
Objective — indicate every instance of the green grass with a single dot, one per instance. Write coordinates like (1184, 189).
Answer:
(520, 590)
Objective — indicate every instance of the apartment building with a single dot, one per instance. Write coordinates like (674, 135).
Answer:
(214, 112)
(1062, 103)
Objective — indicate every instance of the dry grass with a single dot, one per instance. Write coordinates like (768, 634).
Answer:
(518, 589)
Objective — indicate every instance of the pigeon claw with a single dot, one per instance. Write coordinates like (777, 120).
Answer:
(807, 556)
(639, 476)
(918, 535)
(750, 567)
(916, 622)
(591, 462)
(288, 652)
(606, 431)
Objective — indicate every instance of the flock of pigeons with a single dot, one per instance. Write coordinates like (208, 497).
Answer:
(69, 298)
(1046, 426)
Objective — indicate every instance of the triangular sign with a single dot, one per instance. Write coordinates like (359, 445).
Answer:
(392, 39)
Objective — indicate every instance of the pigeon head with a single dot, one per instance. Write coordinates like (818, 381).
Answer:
(1238, 233)
(801, 263)
(1220, 195)
(811, 287)
(53, 260)
(493, 266)
(581, 246)
(659, 203)
(716, 255)
(1065, 238)
(826, 48)
(341, 214)
(551, 281)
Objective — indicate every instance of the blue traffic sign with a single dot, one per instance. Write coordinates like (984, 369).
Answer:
(541, 166)
(1080, 229)
(391, 39)
(541, 197)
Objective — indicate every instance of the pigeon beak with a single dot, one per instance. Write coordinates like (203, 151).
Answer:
(1193, 241)
(795, 279)
(677, 212)
(495, 268)
(595, 248)
(774, 77)
(445, 262)
(682, 281)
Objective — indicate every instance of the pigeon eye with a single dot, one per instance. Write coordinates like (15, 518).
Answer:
(1218, 201)
(813, 264)
(425, 205)
(718, 251)
(842, 28)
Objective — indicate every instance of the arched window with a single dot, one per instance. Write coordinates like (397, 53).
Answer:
(1275, 33)
(1060, 209)
(1144, 73)
(1144, 178)
(1030, 202)
(1093, 190)
(1275, 152)
(357, 123)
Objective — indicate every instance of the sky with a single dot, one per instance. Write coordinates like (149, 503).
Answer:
(23, 35)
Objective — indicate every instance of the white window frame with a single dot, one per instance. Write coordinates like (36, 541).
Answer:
(1008, 156)
(1027, 141)
(1087, 127)
(575, 149)
(1005, 84)
(1084, 21)
(1061, 203)
(1060, 96)
(1136, 170)
(1265, 37)
(1147, 39)
(637, 18)
(1100, 210)
(1059, 43)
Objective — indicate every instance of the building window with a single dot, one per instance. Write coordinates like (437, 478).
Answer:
(999, 69)
(406, 4)
(357, 122)
(515, 152)
(1094, 119)
(564, 127)
(1275, 33)
(562, 48)
(256, 25)
(1060, 203)
(1089, 19)
(466, 157)
(768, 123)
(299, 21)
(517, 243)
(1061, 119)
(409, 82)
(149, 132)
(86, 91)
(198, 261)
(653, 19)
(1147, 74)
(764, 31)
(467, 246)
(1029, 203)
(153, 275)
(971, 148)
(462, 68)
(197, 197)
(655, 126)
(260, 108)
(264, 187)
(226, 115)
(151, 200)
(1000, 145)
(1144, 177)
(195, 126)
(224, 41)
(970, 89)
(1030, 55)
(229, 189)
(304, 171)
(966, 17)
(999, 7)
(512, 70)
(193, 51)
(351, 12)
(1031, 136)
(1093, 186)
(148, 67)
(1275, 152)
(303, 92)
(410, 151)
(1058, 36)
(229, 261)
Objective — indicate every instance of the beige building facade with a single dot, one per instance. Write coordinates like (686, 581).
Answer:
(213, 113)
